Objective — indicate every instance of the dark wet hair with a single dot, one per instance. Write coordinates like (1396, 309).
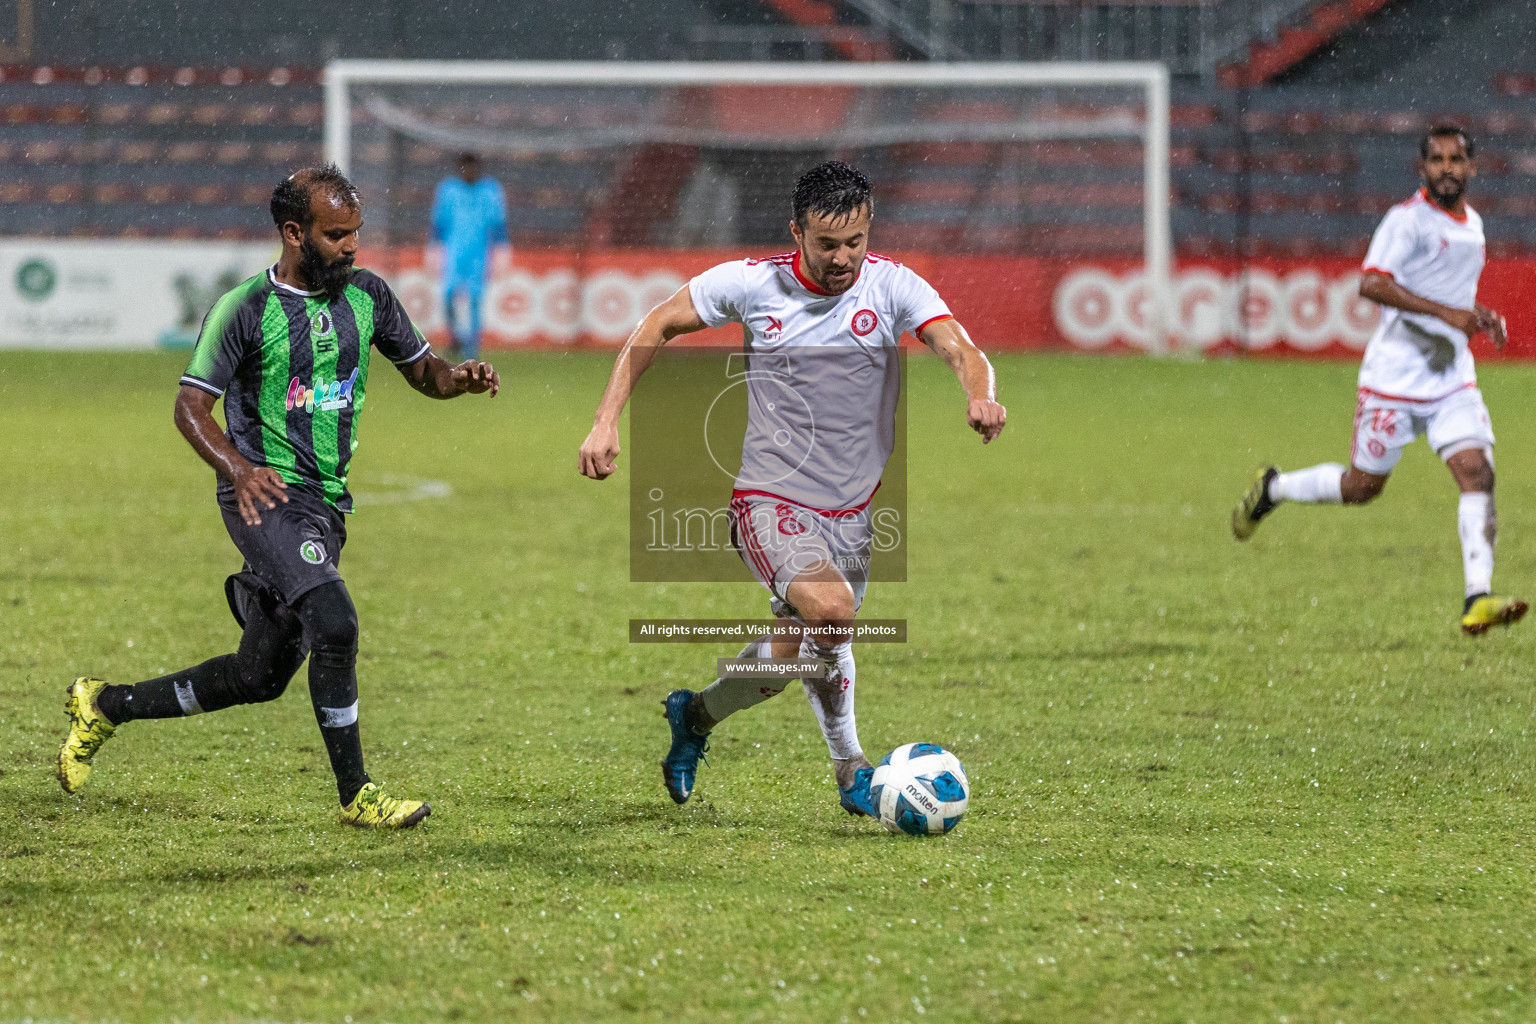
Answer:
(1445, 131)
(832, 189)
(292, 199)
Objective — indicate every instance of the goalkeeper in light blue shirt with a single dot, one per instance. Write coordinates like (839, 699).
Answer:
(469, 239)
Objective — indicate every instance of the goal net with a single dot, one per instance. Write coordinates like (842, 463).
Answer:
(623, 179)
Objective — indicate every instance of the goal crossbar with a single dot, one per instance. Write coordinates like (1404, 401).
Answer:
(1151, 78)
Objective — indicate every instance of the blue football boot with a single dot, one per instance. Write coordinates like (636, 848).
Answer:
(682, 761)
(855, 799)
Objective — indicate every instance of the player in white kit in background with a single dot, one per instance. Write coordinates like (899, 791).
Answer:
(822, 328)
(1417, 376)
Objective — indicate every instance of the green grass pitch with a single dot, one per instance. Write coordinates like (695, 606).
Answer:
(1211, 782)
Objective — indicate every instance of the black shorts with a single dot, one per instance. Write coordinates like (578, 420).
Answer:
(296, 548)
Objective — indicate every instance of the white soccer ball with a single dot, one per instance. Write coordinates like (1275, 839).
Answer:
(920, 789)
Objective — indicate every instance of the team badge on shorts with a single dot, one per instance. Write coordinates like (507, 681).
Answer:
(312, 552)
(789, 523)
(864, 321)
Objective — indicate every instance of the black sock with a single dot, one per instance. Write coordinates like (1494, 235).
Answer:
(333, 689)
(271, 650)
(330, 626)
(345, 747)
(188, 692)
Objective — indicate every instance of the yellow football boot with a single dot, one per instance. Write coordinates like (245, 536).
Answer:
(1254, 504)
(88, 730)
(1488, 610)
(372, 808)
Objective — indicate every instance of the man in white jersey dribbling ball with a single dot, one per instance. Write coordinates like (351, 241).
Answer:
(822, 328)
(1417, 376)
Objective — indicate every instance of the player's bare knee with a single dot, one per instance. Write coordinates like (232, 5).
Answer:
(830, 612)
(824, 602)
(1358, 488)
(1472, 467)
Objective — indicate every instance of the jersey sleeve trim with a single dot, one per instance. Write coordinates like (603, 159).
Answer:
(719, 294)
(1378, 270)
(920, 328)
(201, 385)
(425, 348)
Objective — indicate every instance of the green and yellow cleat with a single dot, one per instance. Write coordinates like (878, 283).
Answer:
(372, 808)
(1486, 611)
(1254, 505)
(88, 730)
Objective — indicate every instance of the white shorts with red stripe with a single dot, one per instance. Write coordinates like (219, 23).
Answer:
(779, 540)
(1385, 425)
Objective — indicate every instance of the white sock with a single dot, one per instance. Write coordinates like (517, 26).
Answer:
(1317, 484)
(1478, 524)
(831, 696)
(725, 697)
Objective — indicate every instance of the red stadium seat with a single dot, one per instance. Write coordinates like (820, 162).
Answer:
(1512, 206)
(186, 153)
(163, 113)
(280, 152)
(210, 114)
(306, 114)
(1522, 84)
(1305, 122)
(233, 153)
(1324, 203)
(208, 195)
(1193, 115)
(1401, 123)
(1184, 156)
(1375, 205)
(138, 152)
(258, 113)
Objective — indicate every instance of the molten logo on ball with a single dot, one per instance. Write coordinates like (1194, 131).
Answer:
(920, 789)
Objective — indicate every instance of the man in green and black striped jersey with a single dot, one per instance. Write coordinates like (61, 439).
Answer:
(288, 351)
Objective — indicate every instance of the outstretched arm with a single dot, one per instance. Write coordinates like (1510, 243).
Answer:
(438, 379)
(1382, 289)
(255, 487)
(954, 346)
(662, 324)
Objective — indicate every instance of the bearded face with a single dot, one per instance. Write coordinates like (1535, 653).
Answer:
(1447, 169)
(330, 276)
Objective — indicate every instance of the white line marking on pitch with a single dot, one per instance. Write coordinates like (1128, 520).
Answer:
(404, 488)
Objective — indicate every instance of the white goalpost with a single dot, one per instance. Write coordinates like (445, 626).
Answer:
(370, 91)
